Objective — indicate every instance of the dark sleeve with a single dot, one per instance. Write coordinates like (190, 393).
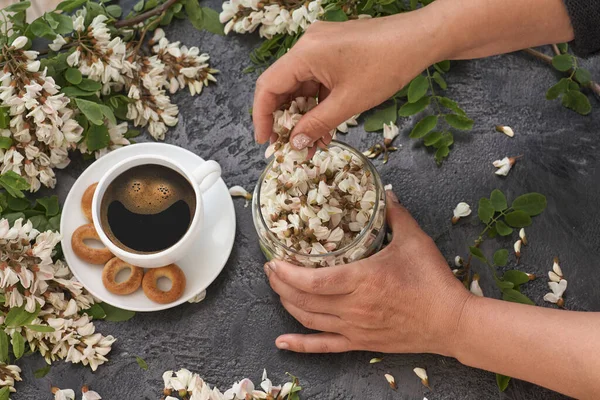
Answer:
(585, 18)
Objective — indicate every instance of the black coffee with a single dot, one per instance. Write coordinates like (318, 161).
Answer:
(147, 208)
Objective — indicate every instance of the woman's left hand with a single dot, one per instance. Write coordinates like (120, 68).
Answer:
(403, 299)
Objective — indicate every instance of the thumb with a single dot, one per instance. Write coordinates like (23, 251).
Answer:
(398, 217)
(319, 121)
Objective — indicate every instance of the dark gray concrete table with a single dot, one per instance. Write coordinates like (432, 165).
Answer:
(231, 334)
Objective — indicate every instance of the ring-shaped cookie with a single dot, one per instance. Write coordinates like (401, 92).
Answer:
(129, 285)
(171, 272)
(86, 253)
(86, 201)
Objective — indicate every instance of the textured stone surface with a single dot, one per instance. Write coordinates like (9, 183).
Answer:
(231, 334)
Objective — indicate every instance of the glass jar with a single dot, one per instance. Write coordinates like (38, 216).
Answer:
(367, 242)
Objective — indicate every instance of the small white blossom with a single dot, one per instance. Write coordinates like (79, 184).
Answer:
(390, 131)
(558, 290)
(475, 288)
(391, 381)
(504, 165)
(63, 394)
(19, 42)
(523, 236)
(517, 248)
(458, 261)
(422, 374)
(461, 210)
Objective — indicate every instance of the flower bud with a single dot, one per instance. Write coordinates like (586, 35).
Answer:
(556, 268)
(462, 210)
(182, 393)
(517, 247)
(375, 360)
(523, 236)
(507, 130)
(238, 191)
(422, 373)
(475, 288)
(391, 381)
(458, 261)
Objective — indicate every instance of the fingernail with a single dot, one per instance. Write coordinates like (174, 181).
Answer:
(392, 196)
(267, 269)
(300, 141)
(283, 345)
(272, 266)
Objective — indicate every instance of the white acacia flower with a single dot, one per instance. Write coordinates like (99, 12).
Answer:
(88, 394)
(507, 130)
(461, 210)
(238, 191)
(344, 126)
(458, 261)
(240, 390)
(558, 290)
(391, 381)
(504, 165)
(517, 248)
(475, 288)
(57, 43)
(390, 131)
(19, 42)
(63, 394)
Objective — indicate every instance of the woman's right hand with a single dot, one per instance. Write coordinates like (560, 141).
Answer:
(352, 66)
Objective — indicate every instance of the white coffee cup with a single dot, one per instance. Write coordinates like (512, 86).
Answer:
(201, 179)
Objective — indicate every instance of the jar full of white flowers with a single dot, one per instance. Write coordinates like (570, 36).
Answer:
(326, 211)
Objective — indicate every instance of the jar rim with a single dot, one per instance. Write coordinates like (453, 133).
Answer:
(366, 230)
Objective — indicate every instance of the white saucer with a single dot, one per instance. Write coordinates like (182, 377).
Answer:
(201, 266)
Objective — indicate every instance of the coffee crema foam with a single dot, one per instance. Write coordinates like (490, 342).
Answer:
(149, 209)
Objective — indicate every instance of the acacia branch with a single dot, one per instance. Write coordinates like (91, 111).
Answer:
(144, 16)
(592, 85)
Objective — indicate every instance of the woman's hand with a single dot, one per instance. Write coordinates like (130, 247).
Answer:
(352, 66)
(403, 299)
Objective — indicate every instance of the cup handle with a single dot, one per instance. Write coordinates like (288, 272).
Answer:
(207, 174)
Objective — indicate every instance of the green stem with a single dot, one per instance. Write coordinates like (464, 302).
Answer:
(433, 95)
(489, 225)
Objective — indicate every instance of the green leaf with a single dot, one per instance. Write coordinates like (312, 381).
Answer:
(516, 277)
(424, 126)
(139, 6)
(150, 4)
(93, 112)
(3, 346)
(498, 200)
(96, 311)
(89, 85)
(502, 381)
(562, 62)
(417, 88)
(562, 47)
(40, 328)
(431, 138)
(583, 76)
(39, 222)
(518, 219)
(4, 117)
(5, 142)
(18, 204)
(502, 285)
(131, 133)
(486, 210)
(108, 113)
(5, 393)
(114, 10)
(502, 229)
(459, 122)
(97, 137)
(72, 91)
(21, 6)
(13, 183)
(516, 297)
(531, 203)
(54, 223)
(60, 23)
(73, 75)
(451, 105)
(142, 363)
(40, 28)
(17, 316)
(375, 121)
(437, 77)
(561, 87)
(501, 258)
(115, 314)
(50, 204)
(211, 21)
(18, 345)
(42, 372)
(445, 141)
(194, 13)
(577, 101)
(70, 5)
(476, 252)
(335, 15)
(441, 153)
(409, 109)
(444, 65)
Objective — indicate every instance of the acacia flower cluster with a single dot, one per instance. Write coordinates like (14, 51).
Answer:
(41, 128)
(557, 285)
(69, 394)
(191, 386)
(244, 16)
(321, 205)
(8, 375)
(43, 117)
(32, 279)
